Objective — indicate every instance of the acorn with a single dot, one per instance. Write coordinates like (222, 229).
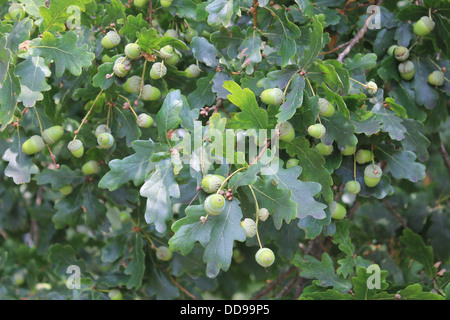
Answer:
(100, 129)
(424, 26)
(166, 52)
(249, 226)
(392, 49)
(436, 78)
(273, 96)
(76, 147)
(150, 93)
(166, 3)
(105, 140)
(164, 253)
(406, 70)
(338, 211)
(90, 167)
(326, 109)
(348, 150)
(287, 132)
(115, 294)
(401, 53)
(16, 11)
(132, 85)
(265, 257)
(110, 40)
(145, 121)
(324, 149)
(121, 67)
(212, 182)
(171, 33)
(140, 3)
(52, 134)
(363, 156)
(214, 204)
(263, 214)
(353, 187)
(124, 217)
(372, 175)
(158, 71)
(372, 88)
(192, 71)
(176, 56)
(317, 131)
(33, 145)
(132, 51)
(190, 34)
(291, 163)
(66, 190)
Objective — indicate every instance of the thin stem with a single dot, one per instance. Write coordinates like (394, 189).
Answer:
(257, 216)
(142, 81)
(354, 166)
(228, 178)
(39, 120)
(364, 85)
(310, 86)
(87, 114)
(107, 117)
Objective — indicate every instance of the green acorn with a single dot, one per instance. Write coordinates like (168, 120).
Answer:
(176, 56)
(150, 93)
(16, 11)
(164, 253)
(145, 121)
(52, 134)
(214, 204)
(372, 88)
(121, 67)
(401, 53)
(190, 34)
(353, 187)
(424, 26)
(132, 51)
(110, 40)
(90, 167)
(171, 33)
(124, 217)
(392, 49)
(436, 78)
(326, 109)
(212, 182)
(324, 149)
(66, 190)
(249, 226)
(317, 131)
(348, 150)
(76, 148)
(140, 3)
(273, 96)
(115, 294)
(338, 211)
(100, 129)
(363, 156)
(406, 70)
(192, 71)
(263, 214)
(291, 163)
(166, 52)
(105, 140)
(265, 257)
(287, 132)
(166, 3)
(132, 85)
(158, 71)
(372, 175)
(33, 145)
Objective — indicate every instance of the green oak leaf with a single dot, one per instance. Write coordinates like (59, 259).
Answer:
(59, 178)
(415, 140)
(101, 80)
(203, 95)
(204, 51)
(9, 94)
(339, 129)
(293, 101)
(220, 12)
(391, 123)
(132, 26)
(128, 126)
(114, 12)
(32, 73)
(168, 117)
(250, 51)
(58, 13)
(136, 267)
(315, 43)
(417, 250)
(360, 287)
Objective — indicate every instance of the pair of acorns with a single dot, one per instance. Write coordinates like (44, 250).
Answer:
(372, 172)
(37, 143)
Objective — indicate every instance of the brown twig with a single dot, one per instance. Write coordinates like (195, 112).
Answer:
(274, 283)
(179, 286)
(358, 36)
(339, 47)
(150, 13)
(444, 154)
(395, 212)
(254, 11)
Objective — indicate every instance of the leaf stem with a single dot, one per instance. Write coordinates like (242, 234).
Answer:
(87, 114)
(228, 178)
(257, 216)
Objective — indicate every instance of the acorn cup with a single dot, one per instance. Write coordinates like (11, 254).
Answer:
(249, 226)
(273, 96)
(406, 70)
(76, 148)
(326, 109)
(100, 129)
(158, 71)
(52, 134)
(150, 93)
(263, 214)
(121, 67)
(401, 53)
(145, 121)
(371, 88)
(166, 52)
(424, 26)
(436, 78)
(132, 51)
(192, 71)
(212, 182)
(132, 85)
(265, 257)
(110, 40)
(214, 204)
(33, 145)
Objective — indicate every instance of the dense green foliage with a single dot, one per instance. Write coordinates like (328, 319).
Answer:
(100, 101)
